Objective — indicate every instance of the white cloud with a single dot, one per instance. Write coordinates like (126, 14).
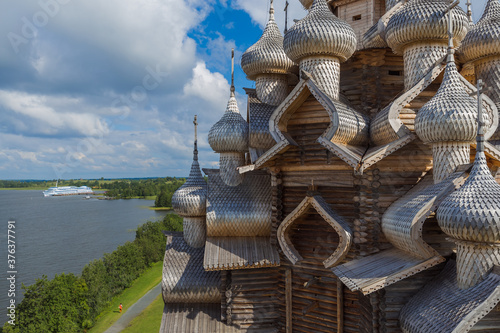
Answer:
(211, 87)
(51, 121)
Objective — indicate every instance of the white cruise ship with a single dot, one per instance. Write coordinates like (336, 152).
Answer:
(67, 190)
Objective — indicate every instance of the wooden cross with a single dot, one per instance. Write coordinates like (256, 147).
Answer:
(232, 71)
(469, 11)
(450, 28)
(286, 15)
(480, 123)
(195, 122)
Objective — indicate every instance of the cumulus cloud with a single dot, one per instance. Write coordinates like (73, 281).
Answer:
(46, 120)
(212, 87)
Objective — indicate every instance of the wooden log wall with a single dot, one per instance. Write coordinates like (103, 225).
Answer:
(371, 79)
(252, 299)
(368, 217)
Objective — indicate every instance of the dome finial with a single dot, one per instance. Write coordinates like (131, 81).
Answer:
(480, 122)
(451, 51)
(469, 11)
(232, 73)
(286, 16)
(195, 153)
(271, 10)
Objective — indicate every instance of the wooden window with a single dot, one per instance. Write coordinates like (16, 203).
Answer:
(356, 17)
(395, 73)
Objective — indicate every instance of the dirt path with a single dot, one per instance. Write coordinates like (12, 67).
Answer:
(134, 310)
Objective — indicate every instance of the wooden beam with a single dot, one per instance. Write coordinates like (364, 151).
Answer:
(288, 299)
(340, 306)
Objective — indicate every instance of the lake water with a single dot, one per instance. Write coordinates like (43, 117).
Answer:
(62, 234)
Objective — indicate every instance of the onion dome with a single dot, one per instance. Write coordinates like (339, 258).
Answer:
(473, 212)
(484, 38)
(450, 115)
(267, 56)
(190, 199)
(424, 20)
(320, 33)
(471, 216)
(230, 133)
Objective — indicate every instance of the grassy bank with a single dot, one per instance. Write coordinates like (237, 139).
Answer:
(129, 296)
(149, 321)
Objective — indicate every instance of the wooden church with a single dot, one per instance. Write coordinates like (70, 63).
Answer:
(359, 192)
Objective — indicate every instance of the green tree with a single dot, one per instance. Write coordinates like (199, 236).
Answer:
(58, 305)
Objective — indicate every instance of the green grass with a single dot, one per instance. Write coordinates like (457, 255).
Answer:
(149, 321)
(159, 208)
(149, 279)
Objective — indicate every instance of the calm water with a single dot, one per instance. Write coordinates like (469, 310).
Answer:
(62, 234)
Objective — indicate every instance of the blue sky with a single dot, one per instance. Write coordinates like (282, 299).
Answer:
(92, 88)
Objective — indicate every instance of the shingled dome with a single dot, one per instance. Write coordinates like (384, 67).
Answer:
(450, 115)
(320, 33)
(473, 212)
(190, 199)
(484, 38)
(420, 20)
(230, 133)
(267, 56)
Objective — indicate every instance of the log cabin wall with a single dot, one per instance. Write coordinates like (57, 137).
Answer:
(252, 299)
(371, 79)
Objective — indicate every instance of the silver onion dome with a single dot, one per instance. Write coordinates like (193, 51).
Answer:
(450, 115)
(320, 33)
(420, 20)
(230, 133)
(473, 212)
(190, 199)
(267, 56)
(484, 38)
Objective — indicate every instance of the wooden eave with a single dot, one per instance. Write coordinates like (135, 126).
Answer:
(231, 253)
(383, 269)
(189, 318)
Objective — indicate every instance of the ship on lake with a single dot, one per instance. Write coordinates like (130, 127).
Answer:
(67, 190)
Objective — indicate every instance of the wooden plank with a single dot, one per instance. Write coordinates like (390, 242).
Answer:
(340, 306)
(288, 300)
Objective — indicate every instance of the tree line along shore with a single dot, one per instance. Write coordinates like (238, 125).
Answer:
(158, 189)
(72, 303)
